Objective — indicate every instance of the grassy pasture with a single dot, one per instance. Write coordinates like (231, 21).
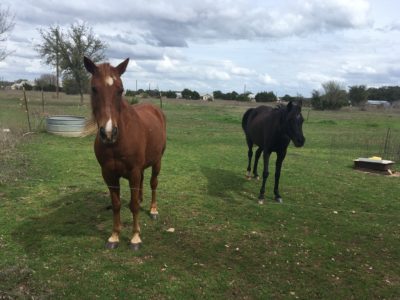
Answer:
(336, 236)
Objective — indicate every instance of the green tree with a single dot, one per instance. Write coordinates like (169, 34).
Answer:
(70, 86)
(195, 95)
(266, 97)
(288, 98)
(358, 94)
(50, 50)
(6, 25)
(80, 41)
(218, 95)
(186, 94)
(316, 100)
(388, 93)
(243, 97)
(231, 96)
(335, 95)
(169, 94)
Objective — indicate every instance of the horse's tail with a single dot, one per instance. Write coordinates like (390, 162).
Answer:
(90, 128)
(245, 118)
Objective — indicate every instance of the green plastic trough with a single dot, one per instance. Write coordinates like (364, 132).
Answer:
(70, 126)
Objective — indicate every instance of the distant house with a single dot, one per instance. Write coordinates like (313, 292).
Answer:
(207, 97)
(178, 95)
(252, 97)
(378, 103)
(19, 85)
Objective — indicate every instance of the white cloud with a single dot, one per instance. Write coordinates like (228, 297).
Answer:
(292, 45)
(267, 79)
(357, 68)
(316, 79)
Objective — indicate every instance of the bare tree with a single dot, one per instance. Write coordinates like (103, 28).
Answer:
(80, 41)
(6, 25)
(46, 82)
(50, 50)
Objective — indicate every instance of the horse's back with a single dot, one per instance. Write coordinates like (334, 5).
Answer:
(254, 123)
(254, 116)
(148, 111)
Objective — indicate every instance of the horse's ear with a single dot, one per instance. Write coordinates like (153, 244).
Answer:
(122, 67)
(300, 103)
(289, 106)
(89, 65)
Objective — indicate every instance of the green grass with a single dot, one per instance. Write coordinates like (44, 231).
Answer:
(336, 236)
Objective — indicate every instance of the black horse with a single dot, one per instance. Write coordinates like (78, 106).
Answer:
(271, 129)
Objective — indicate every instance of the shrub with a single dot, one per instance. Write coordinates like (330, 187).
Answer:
(334, 98)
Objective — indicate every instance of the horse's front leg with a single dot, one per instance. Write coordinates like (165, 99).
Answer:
(265, 176)
(134, 183)
(280, 156)
(114, 188)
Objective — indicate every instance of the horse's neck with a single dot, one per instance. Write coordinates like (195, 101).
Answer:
(128, 114)
(282, 121)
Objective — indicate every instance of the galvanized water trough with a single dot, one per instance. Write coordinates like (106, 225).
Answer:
(70, 126)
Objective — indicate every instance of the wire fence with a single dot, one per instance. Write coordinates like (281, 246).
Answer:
(383, 143)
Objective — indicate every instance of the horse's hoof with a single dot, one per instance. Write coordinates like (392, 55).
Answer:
(279, 200)
(112, 245)
(248, 177)
(135, 247)
(256, 177)
(260, 201)
(154, 216)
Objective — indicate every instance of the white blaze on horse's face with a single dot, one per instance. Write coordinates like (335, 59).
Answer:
(109, 127)
(109, 80)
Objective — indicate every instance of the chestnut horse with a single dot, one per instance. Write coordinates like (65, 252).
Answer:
(130, 138)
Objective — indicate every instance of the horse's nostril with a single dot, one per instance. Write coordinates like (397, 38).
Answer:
(103, 133)
(114, 131)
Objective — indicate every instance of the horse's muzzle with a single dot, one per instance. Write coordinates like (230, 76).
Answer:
(299, 142)
(109, 137)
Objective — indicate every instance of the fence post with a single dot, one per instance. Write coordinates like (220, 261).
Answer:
(43, 101)
(27, 109)
(387, 141)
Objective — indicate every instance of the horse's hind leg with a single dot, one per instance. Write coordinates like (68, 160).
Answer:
(141, 189)
(258, 154)
(261, 197)
(154, 183)
(249, 155)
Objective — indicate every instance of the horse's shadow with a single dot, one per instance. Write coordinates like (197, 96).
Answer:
(78, 214)
(227, 185)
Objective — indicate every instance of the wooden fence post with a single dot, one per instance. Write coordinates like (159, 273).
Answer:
(27, 109)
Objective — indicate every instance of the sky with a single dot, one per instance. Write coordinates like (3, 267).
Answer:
(288, 46)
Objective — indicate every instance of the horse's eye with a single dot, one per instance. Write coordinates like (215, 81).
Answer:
(94, 90)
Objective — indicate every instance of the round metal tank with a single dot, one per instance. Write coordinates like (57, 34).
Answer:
(70, 126)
